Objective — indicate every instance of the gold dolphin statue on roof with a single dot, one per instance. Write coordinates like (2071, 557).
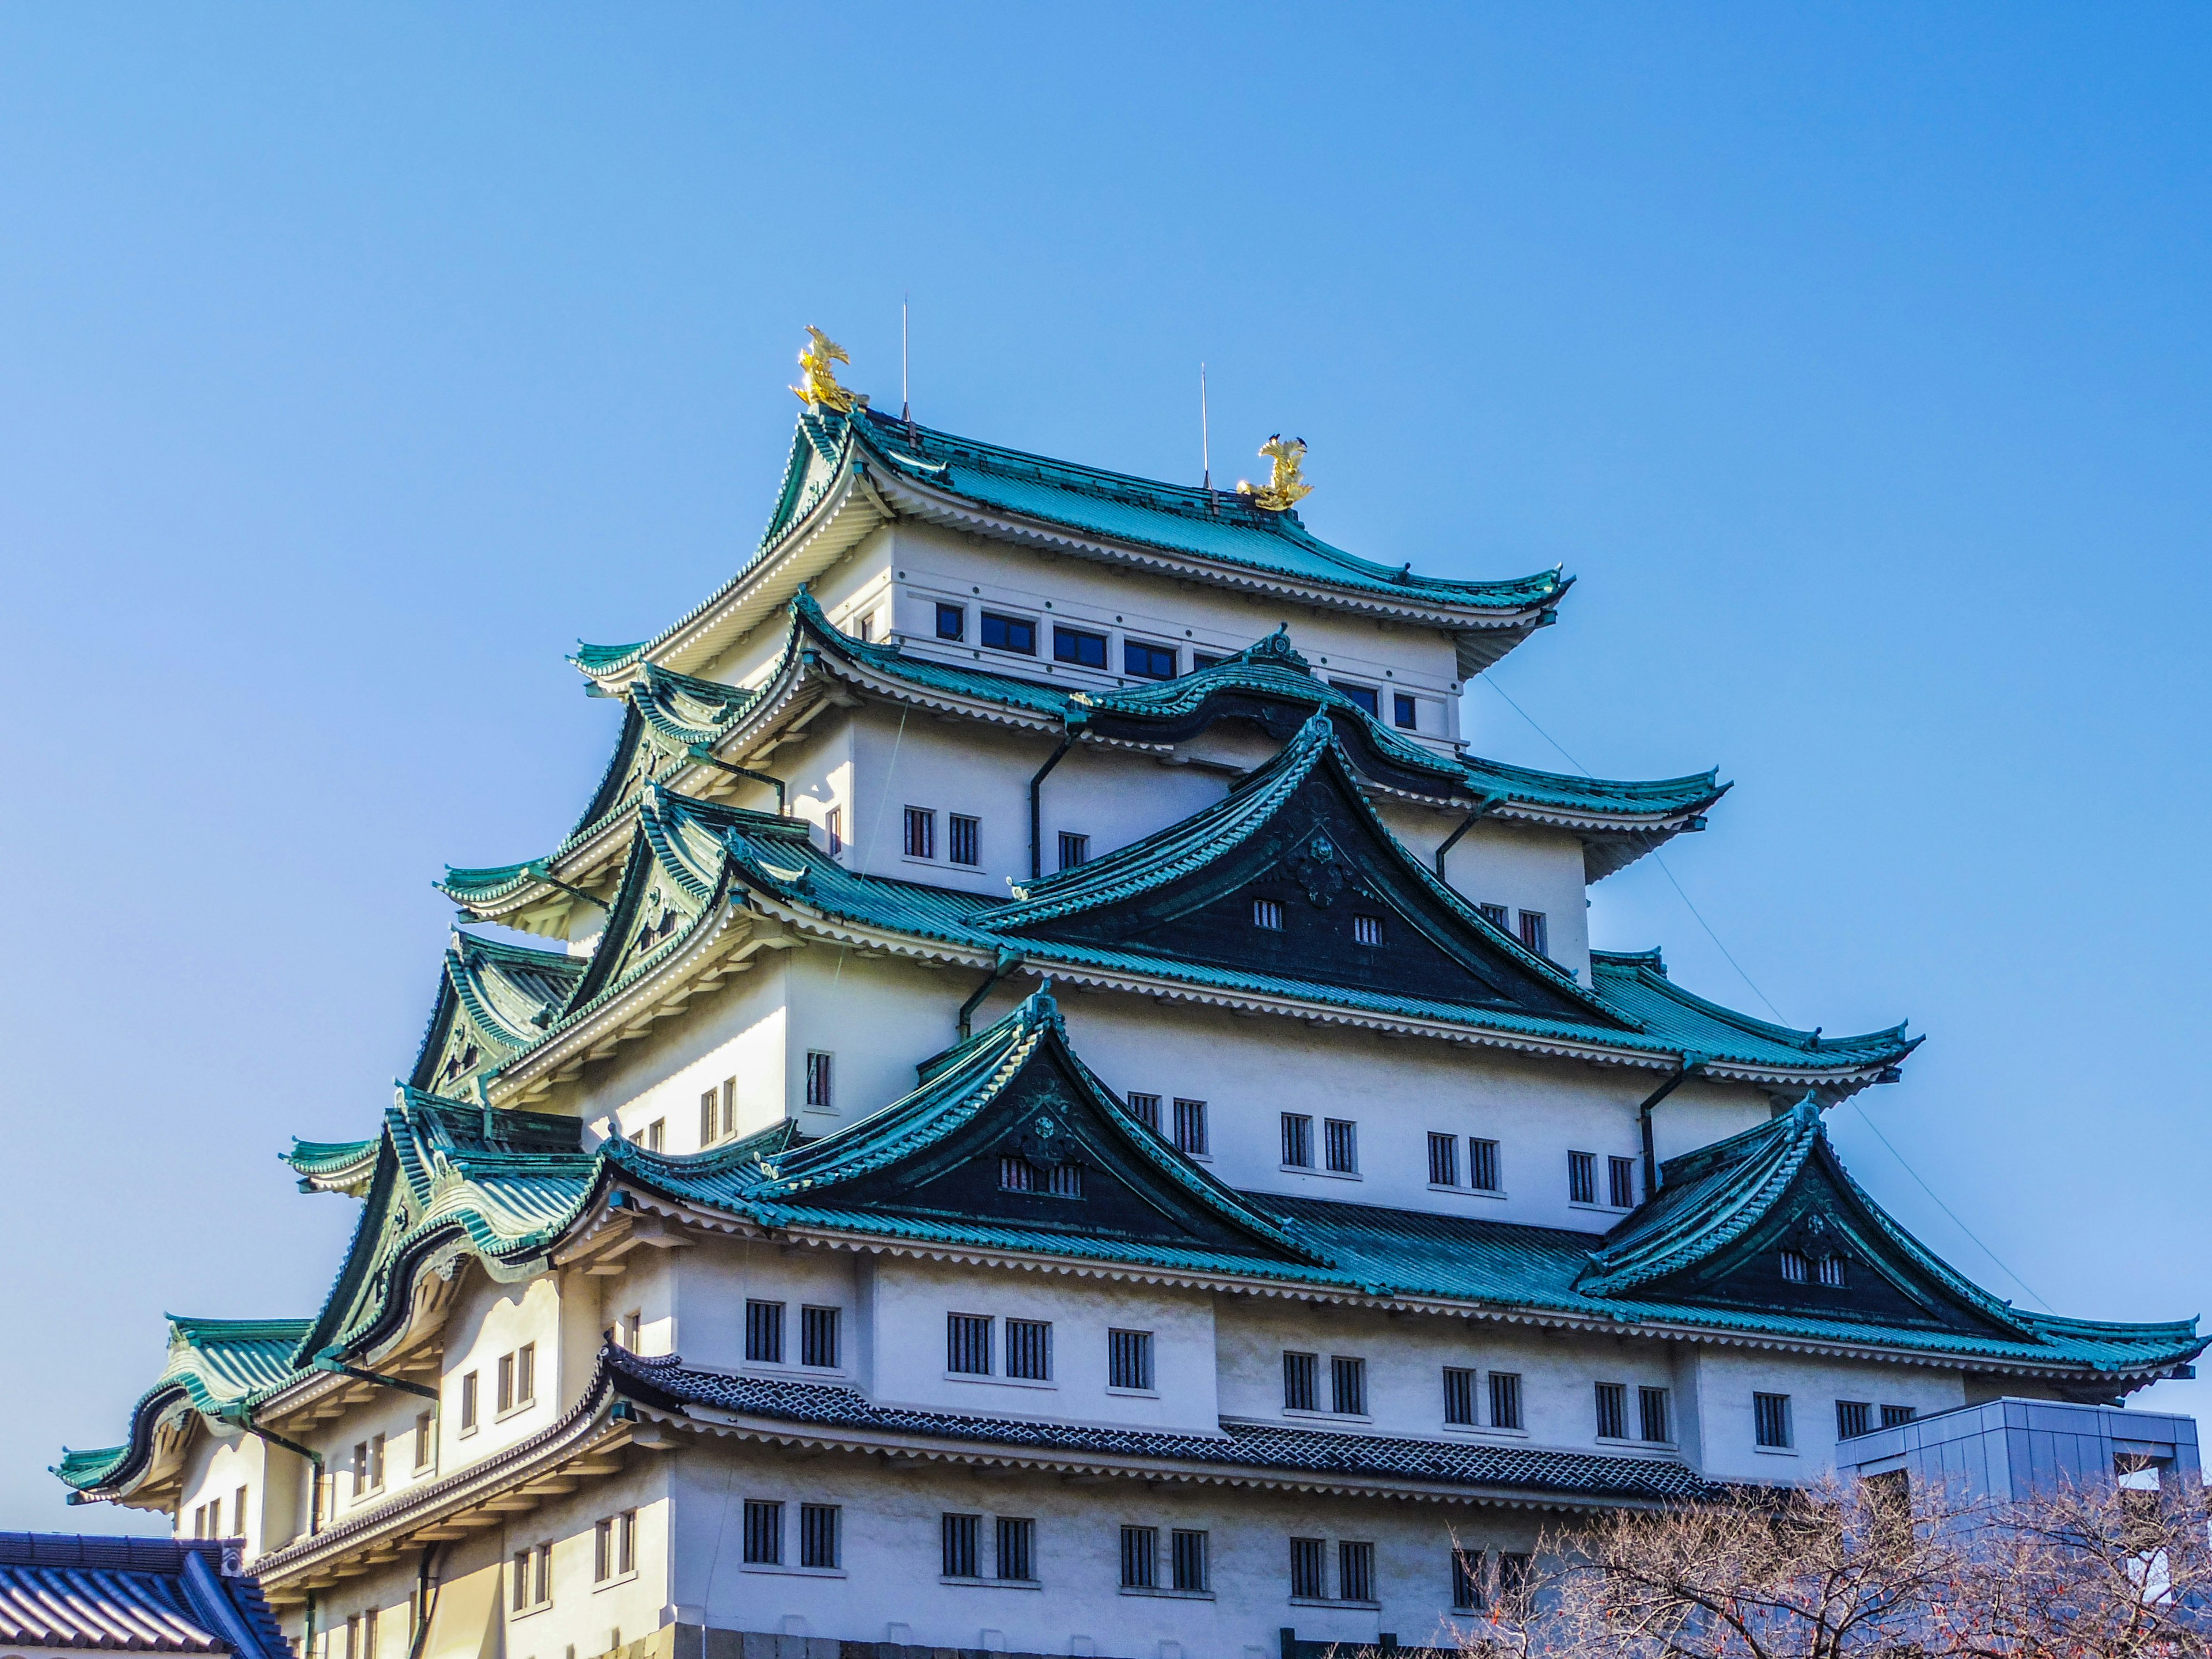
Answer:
(818, 364)
(1286, 486)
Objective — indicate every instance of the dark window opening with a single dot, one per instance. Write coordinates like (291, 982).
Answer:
(1015, 634)
(1535, 934)
(1482, 1165)
(1459, 1396)
(1582, 1177)
(1190, 1127)
(764, 1332)
(1147, 662)
(1017, 1549)
(963, 1547)
(1347, 1386)
(1300, 1378)
(1612, 1410)
(952, 621)
(921, 833)
(1129, 1359)
(1504, 1400)
(1073, 850)
(1770, 1419)
(1079, 646)
(1444, 1160)
(1298, 1140)
(1366, 697)
(818, 1337)
(1404, 711)
(1620, 1182)
(964, 837)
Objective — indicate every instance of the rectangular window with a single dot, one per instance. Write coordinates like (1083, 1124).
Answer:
(630, 1331)
(1342, 1139)
(1404, 711)
(1832, 1272)
(1853, 1419)
(1202, 660)
(729, 1106)
(1355, 1572)
(921, 833)
(1190, 1549)
(1065, 1181)
(1140, 1558)
(1895, 1416)
(353, 1637)
(1017, 1542)
(1612, 1410)
(968, 1344)
(1129, 1359)
(952, 621)
(1309, 1569)
(518, 1586)
(1770, 1419)
(1029, 1354)
(541, 1575)
(1146, 1109)
(1512, 1572)
(1016, 1174)
(818, 1337)
(654, 1136)
(1190, 1126)
(526, 1374)
(1795, 1268)
(833, 830)
(764, 1332)
(1467, 1580)
(614, 1547)
(1298, 1140)
(1003, 633)
(1496, 914)
(1504, 1400)
(763, 1531)
(1301, 1379)
(503, 1392)
(864, 629)
(1620, 1182)
(1369, 699)
(1482, 1165)
(1266, 913)
(1078, 645)
(1073, 850)
(1654, 1415)
(963, 1546)
(818, 1091)
(1535, 934)
(964, 839)
(1367, 930)
(1444, 1160)
(709, 1115)
(360, 1471)
(1459, 1396)
(238, 1513)
(368, 1634)
(1347, 1386)
(1582, 1177)
(1147, 662)
(817, 1536)
(469, 1403)
(376, 1463)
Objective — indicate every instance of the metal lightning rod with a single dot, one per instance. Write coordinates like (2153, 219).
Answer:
(906, 403)
(1205, 439)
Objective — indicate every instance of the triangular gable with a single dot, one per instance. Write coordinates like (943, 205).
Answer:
(670, 880)
(1293, 875)
(1769, 1218)
(494, 1000)
(1016, 1130)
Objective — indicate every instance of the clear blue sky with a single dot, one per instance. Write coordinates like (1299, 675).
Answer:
(353, 363)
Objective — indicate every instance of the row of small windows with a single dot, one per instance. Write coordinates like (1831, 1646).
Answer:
(514, 1386)
(975, 1344)
(964, 837)
(530, 1572)
(1339, 1144)
(818, 1334)
(1189, 1125)
(1533, 931)
(718, 1107)
(207, 1518)
(1267, 915)
(1018, 1175)
(1774, 1429)
(1619, 1180)
(1799, 1268)
(1481, 1162)
(820, 1535)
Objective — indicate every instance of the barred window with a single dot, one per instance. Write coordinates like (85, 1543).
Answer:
(1496, 914)
(1129, 1359)
(1444, 1160)
(1298, 1140)
(1310, 1569)
(1482, 1165)
(1367, 930)
(1347, 1386)
(1065, 1181)
(1770, 1419)
(1582, 1177)
(1342, 1139)
(1896, 1416)
(1189, 1550)
(818, 1531)
(763, 1538)
(1612, 1410)
(1832, 1272)
(1796, 1267)
(764, 1332)
(1459, 1396)
(1146, 1109)
(1140, 1558)
(1512, 1572)
(1300, 1380)
(1504, 1400)
(1016, 1174)
(1467, 1580)
(1073, 850)
(968, 1344)
(1267, 914)
(818, 1080)
(964, 837)
(921, 833)
(1853, 1419)
(1017, 1549)
(1535, 934)
(963, 1546)
(1355, 1572)
(1620, 1182)
(1190, 1127)
(818, 1337)
(1029, 1354)
(1654, 1415)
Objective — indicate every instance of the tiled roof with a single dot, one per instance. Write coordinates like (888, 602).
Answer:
(130, 1595)
(1258, 1448)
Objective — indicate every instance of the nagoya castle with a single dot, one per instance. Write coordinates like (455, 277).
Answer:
(1051, 1104)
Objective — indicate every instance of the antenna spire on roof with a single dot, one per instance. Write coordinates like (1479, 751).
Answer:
(906, 401)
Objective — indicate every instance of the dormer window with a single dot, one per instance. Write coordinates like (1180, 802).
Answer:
(1267, 913)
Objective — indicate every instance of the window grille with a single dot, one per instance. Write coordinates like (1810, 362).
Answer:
(1129, 1359)
(964, 834)
(818, 1087)
(1016, 1174)
(1582, 1177)
(1298, 1140)
(1482, 1165)
(921, 833)
(1796, 1268)
(1028, 1353)
(1146, 1109)
(1504, 1400)
(1535, 934)
(1355, 1572)
(503, 1391)
(763, 1531)
(1770, 1419)
(1310, 1569)
(1620, 1182)
(1512, 1572)
(1141, 1554)
(1017, 1543)
(1467, 1580)
(1654, 1415)
(1267, 914)
(1343, 1142)
(1078, 645)
(469, 1403)
(952, 621)
(1832, 1272)
(1065, 1181)
(1073, 850)
(818, 1535)
(963, 1550)
(1894, 1416)
(1190, 1126)
(1347, 1386)
(764, 1332)
(1444, 1160)
(1496, 914)
(968, 1344)
(1367, 930)
(818, 1337)
(1300, 1380)
(1612, 1410)
(1459, 1396)
(1190, 1550)
(1853, 1419)
(709, 1114)
(1147, 662)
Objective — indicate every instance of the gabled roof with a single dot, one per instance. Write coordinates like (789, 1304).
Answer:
(869, 469)
(494, 1000)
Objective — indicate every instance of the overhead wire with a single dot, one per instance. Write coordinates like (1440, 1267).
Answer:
(1489, 679)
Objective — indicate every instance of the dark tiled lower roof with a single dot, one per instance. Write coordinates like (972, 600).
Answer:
(1320, 1452)
(130, 1595)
